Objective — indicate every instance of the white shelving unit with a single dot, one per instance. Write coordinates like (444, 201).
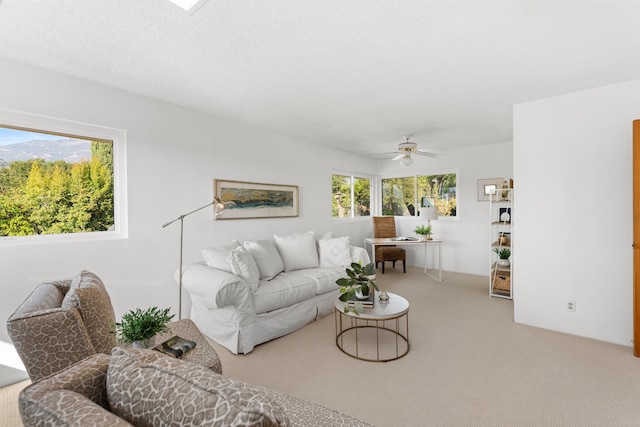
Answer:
(501, 220)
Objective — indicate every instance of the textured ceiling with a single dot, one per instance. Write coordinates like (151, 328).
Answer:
(355, 74)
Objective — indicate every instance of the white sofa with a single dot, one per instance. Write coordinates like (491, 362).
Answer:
(246, 294)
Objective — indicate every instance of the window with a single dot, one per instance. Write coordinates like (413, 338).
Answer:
(54, 182)
(351, 196)
(401, 196)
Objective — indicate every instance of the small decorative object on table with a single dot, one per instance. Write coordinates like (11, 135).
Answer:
(175, 346)
(423, 231)
(384, 297)
(138, 327)
(360, 279)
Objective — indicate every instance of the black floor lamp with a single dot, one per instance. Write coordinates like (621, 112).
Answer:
(218, 209)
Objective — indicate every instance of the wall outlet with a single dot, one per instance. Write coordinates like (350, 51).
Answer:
(571, 306)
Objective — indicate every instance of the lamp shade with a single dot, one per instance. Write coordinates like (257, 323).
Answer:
(429, 212)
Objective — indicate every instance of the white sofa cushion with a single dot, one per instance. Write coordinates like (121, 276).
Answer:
(266, 256)
(244, 266)
(298, 251)
(323, 278)
(218, 257)
(335, 252)
(284, 290)
(293, 287)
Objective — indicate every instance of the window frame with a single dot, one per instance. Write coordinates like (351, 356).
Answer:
(45, 124)
(417, 199)
(353, 176)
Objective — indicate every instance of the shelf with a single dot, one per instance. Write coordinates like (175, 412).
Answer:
(497, 244)
(501, 232)
(496, 267)
(501, 294)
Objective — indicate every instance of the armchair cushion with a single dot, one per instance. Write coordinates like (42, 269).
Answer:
(182, 393)
(89, 295)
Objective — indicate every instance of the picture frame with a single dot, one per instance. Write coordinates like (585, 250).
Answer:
(487, 186)
(247, 200)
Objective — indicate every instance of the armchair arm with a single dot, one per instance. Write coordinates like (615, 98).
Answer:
(214, 288)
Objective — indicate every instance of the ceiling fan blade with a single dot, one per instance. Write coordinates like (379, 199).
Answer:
(381, 156)
(434, 149)
(399, 156)
(424, 153)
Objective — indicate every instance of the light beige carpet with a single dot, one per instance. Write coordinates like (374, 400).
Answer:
(469, 365)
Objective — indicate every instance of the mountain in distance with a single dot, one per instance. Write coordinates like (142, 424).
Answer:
(70, 150)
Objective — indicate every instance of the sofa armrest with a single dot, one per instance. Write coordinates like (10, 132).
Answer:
(75, 396)
(214, 288)
(359, 254)
(69, 409)
(31, 334)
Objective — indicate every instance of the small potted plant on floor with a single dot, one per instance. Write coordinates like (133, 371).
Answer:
(138, 327)
(423, 231)
(504, 255)
(359, 283)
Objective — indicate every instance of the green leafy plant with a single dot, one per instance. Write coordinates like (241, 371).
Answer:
(503, 253)
(359, 278)
(423, 230)
(138, 325)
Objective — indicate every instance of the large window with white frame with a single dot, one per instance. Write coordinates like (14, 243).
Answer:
(402, 196)
(60, 179)
(351, 196)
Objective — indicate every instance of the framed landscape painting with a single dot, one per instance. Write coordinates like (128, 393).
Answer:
(243, 200)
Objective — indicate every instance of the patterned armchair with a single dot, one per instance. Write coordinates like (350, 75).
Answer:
(65, 321)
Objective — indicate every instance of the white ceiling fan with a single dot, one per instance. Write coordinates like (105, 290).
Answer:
(407, 148)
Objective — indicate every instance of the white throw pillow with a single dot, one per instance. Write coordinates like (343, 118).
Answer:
(267, 257)
(243, 265)
(335, 252)
(298, 251)
(218, 257)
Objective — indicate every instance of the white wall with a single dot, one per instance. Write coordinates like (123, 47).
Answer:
(174, 154)
(465, 246)
(573, 212)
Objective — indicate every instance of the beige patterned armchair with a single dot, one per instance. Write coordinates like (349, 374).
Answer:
(65, 321)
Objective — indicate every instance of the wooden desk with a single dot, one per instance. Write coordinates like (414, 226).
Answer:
(373, 242)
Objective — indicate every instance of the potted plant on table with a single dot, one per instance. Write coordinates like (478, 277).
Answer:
(504, 255)
(359, 283)
(138, 327)
(423, 231)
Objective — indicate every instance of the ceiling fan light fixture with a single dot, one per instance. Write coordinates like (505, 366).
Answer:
(407, 160)
(189, 5)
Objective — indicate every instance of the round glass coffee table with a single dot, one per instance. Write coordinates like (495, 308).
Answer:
(378, 334)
